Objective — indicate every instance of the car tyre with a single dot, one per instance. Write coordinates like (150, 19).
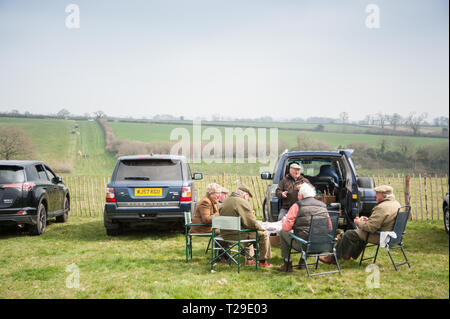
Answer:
(65, 216)
(41, 221)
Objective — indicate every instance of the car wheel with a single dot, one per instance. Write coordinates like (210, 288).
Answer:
(65, 216)
(41, 221)
(446, 219)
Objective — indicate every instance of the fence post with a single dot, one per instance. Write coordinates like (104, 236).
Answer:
(420, 196)
(408, 194)
(436, 183)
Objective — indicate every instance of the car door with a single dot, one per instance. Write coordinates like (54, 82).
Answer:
(45, 183)
(58, 189)
(348, 190)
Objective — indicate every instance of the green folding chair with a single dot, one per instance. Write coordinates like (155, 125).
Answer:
(394, 243)
(233, 249)
(320, 241)
(188, 237)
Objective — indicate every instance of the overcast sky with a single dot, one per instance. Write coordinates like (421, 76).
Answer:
(246, 58)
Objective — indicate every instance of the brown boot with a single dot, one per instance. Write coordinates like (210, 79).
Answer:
(328, 259)
(287, 267)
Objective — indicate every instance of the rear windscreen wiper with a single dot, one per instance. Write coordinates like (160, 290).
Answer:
(143, 178)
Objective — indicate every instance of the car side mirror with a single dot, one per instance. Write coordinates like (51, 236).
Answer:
(197, 176)
(57, 179)
(266, 175)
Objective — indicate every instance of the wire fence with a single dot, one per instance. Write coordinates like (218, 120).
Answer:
(424, 193)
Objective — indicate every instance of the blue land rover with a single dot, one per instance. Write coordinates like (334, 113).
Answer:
(335, 178)
(148, 189)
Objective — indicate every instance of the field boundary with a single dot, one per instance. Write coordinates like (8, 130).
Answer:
(424, 193)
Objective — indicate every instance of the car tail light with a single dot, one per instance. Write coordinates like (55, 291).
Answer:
(186, 194)
(28, 186)
(110, 195)
(20, 186)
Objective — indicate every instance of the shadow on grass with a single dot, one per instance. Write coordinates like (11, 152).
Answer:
(95, 231)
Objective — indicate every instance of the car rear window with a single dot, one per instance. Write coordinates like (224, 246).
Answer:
(11, 174)
(149, 170)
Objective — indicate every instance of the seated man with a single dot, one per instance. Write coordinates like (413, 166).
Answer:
(382, 218)
(237, 205)
(205, 209)
(298, 219)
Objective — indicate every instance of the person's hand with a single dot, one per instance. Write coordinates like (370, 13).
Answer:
(284, 194)
(364, 219)
(356, 221)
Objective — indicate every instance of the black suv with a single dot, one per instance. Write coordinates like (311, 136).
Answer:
(30, 194)
(335, 179)
(145, 189)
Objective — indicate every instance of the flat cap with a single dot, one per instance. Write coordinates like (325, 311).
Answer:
(385, 189)
(295, 165)
(244, 188)
(224, 190)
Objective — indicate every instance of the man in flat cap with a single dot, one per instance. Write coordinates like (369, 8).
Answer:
(382, 218)
(223, 195)
(287, 190)
(237, 204)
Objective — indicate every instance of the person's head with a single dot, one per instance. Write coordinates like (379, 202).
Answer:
(306, 190)
(223, 194)
(295, 170)
(383, 191)
(244, 192)
(213, 191)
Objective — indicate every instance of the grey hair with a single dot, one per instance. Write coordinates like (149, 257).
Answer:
(213, 188)
(307, 190)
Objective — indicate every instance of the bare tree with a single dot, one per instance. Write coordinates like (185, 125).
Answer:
(395, 120)
(99, 114)
(382, 118)
(63, 113)
(344, 117)
(15, 144)
(415, 121)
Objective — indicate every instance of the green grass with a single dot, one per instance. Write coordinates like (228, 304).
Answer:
(146, 263)
(58, 147)
(161, 132)
(91, 142)
(52, 139)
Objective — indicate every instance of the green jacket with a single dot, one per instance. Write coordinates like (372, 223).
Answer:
(382, 219)
(236, 206)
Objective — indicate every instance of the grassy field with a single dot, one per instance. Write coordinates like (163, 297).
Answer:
(161, 132)
(52, 139)
(91, 142)
(60, 149)
(146, 263)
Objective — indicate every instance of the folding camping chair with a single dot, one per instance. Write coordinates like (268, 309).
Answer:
(233, 249)
(320, 241)
(394, 243)
(188, 237)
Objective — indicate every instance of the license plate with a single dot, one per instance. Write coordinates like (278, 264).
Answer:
(148, 192)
